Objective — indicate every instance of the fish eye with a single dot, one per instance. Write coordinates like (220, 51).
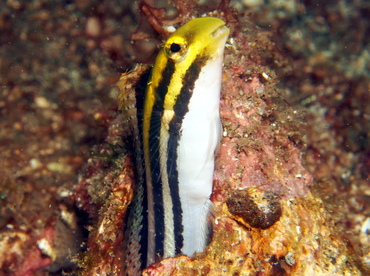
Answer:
(175, 47)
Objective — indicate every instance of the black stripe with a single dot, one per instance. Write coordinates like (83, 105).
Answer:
(182, 102)
(154, 137)
(181, 108)
(174, 189)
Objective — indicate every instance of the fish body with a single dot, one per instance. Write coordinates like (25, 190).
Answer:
(179, 129)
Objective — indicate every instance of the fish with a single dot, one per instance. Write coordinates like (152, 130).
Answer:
(178, 132)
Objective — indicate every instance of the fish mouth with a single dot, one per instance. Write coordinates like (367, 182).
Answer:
(220, 31)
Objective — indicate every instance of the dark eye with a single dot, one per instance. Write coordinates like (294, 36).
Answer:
(175, 47)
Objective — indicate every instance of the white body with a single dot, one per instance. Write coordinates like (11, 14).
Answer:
(201, 131)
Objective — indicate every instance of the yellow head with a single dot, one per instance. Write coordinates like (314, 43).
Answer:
(199, 37)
